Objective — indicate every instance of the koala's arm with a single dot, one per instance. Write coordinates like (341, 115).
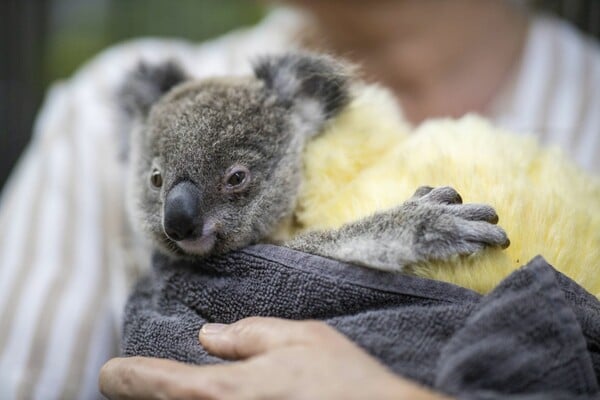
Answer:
(432, 225)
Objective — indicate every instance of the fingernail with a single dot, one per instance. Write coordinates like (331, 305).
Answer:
(212, 329)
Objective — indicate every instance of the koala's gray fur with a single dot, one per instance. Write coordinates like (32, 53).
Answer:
(196, 134)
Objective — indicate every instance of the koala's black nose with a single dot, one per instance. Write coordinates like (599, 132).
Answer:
(182, 211)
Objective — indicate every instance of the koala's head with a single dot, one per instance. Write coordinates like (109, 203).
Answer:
(216, 164)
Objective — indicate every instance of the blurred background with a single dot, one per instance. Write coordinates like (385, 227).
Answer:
(45, 40)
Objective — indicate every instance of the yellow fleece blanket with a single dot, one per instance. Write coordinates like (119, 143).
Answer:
(369, 159)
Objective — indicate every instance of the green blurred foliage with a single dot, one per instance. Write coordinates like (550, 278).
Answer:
(79, 29)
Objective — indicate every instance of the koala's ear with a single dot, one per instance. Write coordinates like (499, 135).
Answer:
(303, 80)
(146, 84)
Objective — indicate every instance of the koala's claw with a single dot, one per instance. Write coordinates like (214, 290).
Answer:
(475, 212)
(446, 227)
(452, 235)
(484, 233)
(443, 195)
(421, 191)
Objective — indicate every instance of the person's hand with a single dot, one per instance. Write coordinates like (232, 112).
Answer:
(281, 359)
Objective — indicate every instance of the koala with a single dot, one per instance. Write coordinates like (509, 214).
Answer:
(216, 165)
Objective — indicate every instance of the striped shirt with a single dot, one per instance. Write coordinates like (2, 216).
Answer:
(555, 93)
(67, 258)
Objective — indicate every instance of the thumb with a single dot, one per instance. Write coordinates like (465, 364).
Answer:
(256, 335)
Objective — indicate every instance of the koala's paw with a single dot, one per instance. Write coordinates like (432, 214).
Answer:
(444, 227)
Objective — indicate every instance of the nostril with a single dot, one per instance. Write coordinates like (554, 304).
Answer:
(180, 227)
(173, 234)
(180, 234)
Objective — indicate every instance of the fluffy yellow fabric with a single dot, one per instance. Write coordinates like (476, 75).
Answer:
(368, 160)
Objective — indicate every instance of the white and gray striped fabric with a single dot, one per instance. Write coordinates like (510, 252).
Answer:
(66, 259)
(555, 93)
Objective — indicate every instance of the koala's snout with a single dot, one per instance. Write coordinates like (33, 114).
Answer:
(182, 211)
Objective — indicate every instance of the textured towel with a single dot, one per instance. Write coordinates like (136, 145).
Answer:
(537, 335)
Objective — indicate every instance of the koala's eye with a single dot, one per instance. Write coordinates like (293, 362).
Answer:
(237, 178)
(156, 178)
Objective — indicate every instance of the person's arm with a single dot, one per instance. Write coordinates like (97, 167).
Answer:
(276, 358)
(56, 323)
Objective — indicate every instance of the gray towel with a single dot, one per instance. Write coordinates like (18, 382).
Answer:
(537, 335)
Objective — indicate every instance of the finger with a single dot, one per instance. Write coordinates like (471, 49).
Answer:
(153, 378)
(148, 378)
(256, 335)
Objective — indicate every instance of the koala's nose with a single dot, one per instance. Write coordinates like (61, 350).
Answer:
(182, 211)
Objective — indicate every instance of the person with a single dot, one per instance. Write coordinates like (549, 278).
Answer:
(68, 257)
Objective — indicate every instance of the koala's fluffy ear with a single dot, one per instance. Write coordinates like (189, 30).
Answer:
(314, 86)
(146, 84)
